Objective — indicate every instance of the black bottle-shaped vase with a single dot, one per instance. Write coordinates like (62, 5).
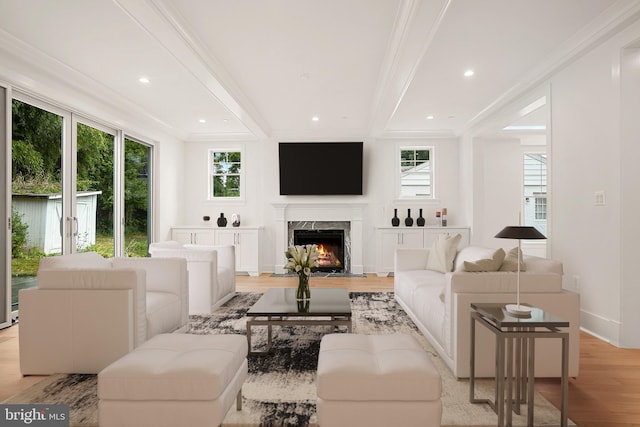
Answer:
(222, 221)
(408, 221)
(395, 221)
(420, 221)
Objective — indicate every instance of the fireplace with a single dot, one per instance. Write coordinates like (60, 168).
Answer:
(321, 216)
(330, 245)
(334, 236)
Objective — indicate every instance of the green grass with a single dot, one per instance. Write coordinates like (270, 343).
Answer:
(135, 246)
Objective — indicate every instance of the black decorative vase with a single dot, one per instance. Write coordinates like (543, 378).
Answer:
(395, 221)
(222, 221)
(408, 221)
(420, 220)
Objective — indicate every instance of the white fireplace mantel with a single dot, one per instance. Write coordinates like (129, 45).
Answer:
(352, 212)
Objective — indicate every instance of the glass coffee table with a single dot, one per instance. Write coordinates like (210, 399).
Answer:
(279, 307)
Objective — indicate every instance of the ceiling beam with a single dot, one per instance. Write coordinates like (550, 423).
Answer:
(163, 23)
(416, 24)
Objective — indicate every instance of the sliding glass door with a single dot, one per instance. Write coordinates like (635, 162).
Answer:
(5, 205)
(95, 188)
(40, 218)
(137, 197)
(75, 185)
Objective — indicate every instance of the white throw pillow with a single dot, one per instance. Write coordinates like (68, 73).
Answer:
(443, 252)
(510, 262)
(486, 264)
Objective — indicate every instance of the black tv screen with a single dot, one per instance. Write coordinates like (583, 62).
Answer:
(320, 168)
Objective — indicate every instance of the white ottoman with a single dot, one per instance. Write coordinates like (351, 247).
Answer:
(174, 380)
(376, 380)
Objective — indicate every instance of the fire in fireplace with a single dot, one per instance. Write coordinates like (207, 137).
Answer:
(330, 245)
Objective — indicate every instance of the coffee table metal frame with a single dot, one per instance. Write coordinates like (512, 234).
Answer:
(298, 317)
(521, 333)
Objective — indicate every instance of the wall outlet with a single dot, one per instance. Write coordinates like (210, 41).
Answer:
(576, 282)
(598, 198)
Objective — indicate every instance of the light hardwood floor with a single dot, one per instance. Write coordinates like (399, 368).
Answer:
(606, 393)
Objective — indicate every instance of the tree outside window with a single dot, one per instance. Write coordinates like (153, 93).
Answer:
(225, 174)
(416, 172)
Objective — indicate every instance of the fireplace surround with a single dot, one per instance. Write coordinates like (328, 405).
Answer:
(348, 217)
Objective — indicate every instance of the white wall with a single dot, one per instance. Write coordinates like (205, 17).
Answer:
(586, 153)
(594, 147)
(169, 180)
(630, 201)
(263, 189)
(499, 171)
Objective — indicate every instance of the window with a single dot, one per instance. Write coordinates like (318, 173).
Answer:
(416, 172)
(541, 206)
(535, 190)
(225, 174)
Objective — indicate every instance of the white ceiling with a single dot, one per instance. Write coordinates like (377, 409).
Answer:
(264, 68)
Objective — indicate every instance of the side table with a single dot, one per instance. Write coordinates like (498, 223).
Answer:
(519, 332)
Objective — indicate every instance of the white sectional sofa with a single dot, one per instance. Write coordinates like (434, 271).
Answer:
(88, 311)
(439, 304)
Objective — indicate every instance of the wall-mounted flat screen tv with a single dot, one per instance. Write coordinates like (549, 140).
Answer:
(320, 168)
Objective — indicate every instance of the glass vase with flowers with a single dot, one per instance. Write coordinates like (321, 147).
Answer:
(302, 260)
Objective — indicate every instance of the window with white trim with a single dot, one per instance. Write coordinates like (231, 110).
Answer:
(541, 206)
(225, 174)
(416, 172)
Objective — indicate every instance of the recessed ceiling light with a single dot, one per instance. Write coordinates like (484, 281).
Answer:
(144, 80)
(202, 121)
(469, 73)
(315, 118)
(525, 127)
(430, 117)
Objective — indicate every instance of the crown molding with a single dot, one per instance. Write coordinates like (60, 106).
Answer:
(221, 137)
(37, 74)
(418, 134)
(614, 19)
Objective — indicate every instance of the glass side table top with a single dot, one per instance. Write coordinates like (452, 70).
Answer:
(282, 302)
(498, 315)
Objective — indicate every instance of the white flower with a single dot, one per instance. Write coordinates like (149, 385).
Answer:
(302, 259)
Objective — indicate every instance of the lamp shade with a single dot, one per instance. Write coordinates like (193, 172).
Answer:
(520, 232)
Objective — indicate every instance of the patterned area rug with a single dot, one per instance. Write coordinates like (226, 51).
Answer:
(280, 390)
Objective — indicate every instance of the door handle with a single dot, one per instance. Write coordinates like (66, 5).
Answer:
(75, 220)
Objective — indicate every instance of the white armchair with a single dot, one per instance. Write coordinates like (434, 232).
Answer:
(212, 272)
(88, 311)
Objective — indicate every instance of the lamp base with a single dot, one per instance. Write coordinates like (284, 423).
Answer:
(518, 309)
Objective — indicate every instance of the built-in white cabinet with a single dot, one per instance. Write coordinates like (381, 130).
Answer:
(388, 239)
(247, 243)
(245, 239)
(193, 235)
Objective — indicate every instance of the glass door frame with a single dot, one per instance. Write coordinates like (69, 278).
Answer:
(67, 167)
(118, 175)
(6, 317)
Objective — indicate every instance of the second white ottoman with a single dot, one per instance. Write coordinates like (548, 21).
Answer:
(376, 380)
(174, 380)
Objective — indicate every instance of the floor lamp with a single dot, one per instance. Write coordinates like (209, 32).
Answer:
(519, 232)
